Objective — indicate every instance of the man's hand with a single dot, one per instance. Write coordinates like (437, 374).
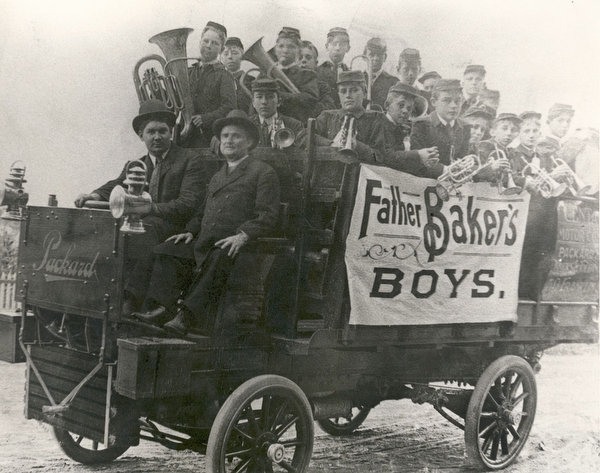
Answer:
(560, 172)
(83, 198)
(429, 156)
(501, 164)
(234, 243)
(185, 237)
(197, 120)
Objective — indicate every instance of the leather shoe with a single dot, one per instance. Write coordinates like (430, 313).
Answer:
(158, 316)
(180, 323)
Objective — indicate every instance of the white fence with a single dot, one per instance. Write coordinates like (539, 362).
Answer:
(7, 291)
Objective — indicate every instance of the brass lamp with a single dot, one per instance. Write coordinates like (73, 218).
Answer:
(133, 201)
(12, 193)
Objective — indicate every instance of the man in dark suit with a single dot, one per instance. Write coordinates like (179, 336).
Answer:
(242, 204)
(376, 51)
(176, 182)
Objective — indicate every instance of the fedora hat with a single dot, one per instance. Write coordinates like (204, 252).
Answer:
(238, 118)
(153, 109)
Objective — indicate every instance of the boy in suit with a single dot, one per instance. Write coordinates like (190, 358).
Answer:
(559, 122)
(479, 118)
(231, 57)
(376, 51)
(308, 60)
(473, 82)
(409, 66)
(337, 46)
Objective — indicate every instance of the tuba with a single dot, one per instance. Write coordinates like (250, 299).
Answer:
(457, 174)
(257, 55)
(542, 181)
(173, 85)
(343, 140)
(575, 185)
(508, 188)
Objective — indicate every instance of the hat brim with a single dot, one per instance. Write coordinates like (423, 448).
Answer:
(244, 123)
(168, 117)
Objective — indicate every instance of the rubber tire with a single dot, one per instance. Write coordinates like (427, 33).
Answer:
(337, 431)
(485, 382)
(86, 456)
(236, 403)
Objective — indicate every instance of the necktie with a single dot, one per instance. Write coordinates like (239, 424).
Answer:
(266, 138)
(154, 180)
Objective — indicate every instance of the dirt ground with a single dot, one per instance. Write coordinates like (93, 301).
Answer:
(397, 437)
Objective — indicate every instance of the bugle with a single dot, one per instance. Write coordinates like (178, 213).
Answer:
(542, 181)
(573, 182)
(282, 137)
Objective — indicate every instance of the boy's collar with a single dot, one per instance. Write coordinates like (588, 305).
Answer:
(269, 120)
(445, 122)
(356, 114)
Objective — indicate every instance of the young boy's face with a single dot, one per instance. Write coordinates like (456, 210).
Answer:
(307, 59)
(265, 103)
(231, 57)
(479, 126)
(408, 72)
(351, 96)
(400, 109)
(286, 50)
(210, 46)
(530, 133)
(473, 83)
(377, 59)
(429, 84)
(559, 125)
(447, 104)
(504, 132)
(337, 47)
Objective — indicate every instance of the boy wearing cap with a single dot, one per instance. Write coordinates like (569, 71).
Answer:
(399, 107)
(212, 86)
(332, 126)
(442, 128)
(428, 81)
(473, 82)
(265, 100)
(231, 57)
(479, 118)
(489, 99)
(242, 204)
(529, 136)
(381, 81)
(559, 122)
(298, 105)
(308, 60)
(409, 66)
(338, 44)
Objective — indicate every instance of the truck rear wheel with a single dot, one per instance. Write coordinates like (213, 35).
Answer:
(338, 426)
(265, 425)
(500, 413)
(87, 451)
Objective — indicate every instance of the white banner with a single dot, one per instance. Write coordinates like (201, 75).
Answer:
(415, 259)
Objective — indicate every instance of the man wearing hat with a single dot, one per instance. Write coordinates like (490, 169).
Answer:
(213, 87)
(473, 82)
(409, 66)
(297, 104)
(176, 182)
(442, 128)
(381, 81)
(400, 106)
(231, 57)
(559, 122)
(266, 100)
(242, 204)
(333, 126)
(338, 44)
(480, 119)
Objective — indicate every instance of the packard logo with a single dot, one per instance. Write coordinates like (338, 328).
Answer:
(65, 268)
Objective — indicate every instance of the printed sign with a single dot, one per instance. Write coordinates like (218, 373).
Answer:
(415, 259)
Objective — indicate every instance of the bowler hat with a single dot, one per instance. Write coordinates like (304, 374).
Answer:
(265, 84)
(446, 85)
(530, 114)
(410, 55)
(508, 116)
(217, 26)
(376, 44)
(351, 76)
(429, 75)
(238, 118)
(558, 109)
(477, 68)
(482, 112)
(153, 109)
(233, 41)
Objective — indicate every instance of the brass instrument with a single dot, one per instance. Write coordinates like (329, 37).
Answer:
(282, 137)
(456, 175)
(542, 181)
(132, 201)
(573, 182)
(257, 55)
(510, 188)
(12, 193)
(345, 138)
(173, 85)
(369, 74)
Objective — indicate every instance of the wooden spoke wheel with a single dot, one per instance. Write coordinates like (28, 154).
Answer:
(87, 451)
(500, 413)
(265, 425)
(338, 426)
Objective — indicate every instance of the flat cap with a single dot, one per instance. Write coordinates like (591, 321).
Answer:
(233, 41)
(447, 85)
(476, 68)
(482, 112)
(429, 75)
(410, 55)
(558, 109)
(530, 114)
(217, 26)
(289, 31)
(490, 94)
(265, 84)
(337, 31)
(376, 44)
(351, 76)
(508, 116)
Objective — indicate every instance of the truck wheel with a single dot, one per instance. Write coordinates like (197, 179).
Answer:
(500, 413)
(338, 426)
(86, 451)
(266, 424)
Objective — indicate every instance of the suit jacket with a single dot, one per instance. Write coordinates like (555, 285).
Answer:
(300, 105)
(370, 132)
(288, 122)
(430, 131)
(328, 73)
(181, 185)
(381, 86)
(396, 157)
(246, 200)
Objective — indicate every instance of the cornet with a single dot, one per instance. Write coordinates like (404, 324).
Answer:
(508, 188)
(541, 180)
(575, 185)
(282, 137)
(457, 174)
(345, 138)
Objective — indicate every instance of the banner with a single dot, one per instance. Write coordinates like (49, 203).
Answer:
(415, 259)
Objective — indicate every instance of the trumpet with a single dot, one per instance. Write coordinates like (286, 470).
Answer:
(456, 175)
(575, 185)
(508, 188)
(542, 181)
(282, 137)
(345, 138)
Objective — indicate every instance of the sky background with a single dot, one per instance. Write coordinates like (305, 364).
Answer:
(67, 96)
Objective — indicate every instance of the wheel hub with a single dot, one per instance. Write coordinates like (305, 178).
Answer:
(275, 452)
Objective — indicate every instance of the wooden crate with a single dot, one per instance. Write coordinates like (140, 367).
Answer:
(10, 324)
